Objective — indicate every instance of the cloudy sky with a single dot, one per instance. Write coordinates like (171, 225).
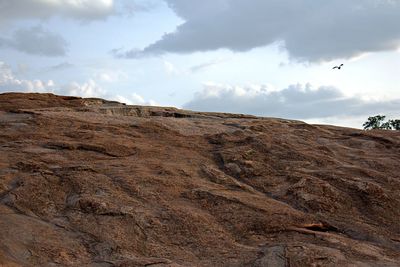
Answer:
(271, 58)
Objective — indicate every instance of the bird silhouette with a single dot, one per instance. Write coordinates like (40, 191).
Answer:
(338, 67)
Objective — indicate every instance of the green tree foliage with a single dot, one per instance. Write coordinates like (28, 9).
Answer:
(374, 122)
(378, 122)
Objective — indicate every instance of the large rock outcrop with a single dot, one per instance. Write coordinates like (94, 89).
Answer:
(89, 182)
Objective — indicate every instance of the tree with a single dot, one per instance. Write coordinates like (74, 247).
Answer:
(376, 122)
(386, 126)
(395, 124)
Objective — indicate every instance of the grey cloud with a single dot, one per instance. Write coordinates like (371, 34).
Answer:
(131, 7)
(309, 30)
(133, 53)
(61, 66)
(294, 102)
(36, 41)
(82, 10)
(206, 65)
(23, 68)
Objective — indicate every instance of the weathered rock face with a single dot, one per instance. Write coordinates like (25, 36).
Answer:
(87, 182)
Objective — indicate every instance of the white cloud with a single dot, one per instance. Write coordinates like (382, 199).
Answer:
(345, 121)
(171, 69)
(106, 77)
(137, 99)
(134, 99)
(309, 30)
(8, 82)
(36, 41)
(294, 102)
(110, 76)
(87, 89)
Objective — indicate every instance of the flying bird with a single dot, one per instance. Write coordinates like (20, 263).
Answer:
(338, 67)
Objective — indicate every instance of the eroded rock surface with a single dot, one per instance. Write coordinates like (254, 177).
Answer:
(88, 182)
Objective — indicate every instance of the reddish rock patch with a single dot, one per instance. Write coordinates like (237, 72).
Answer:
(89, 182)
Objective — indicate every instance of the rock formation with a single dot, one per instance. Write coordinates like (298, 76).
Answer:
(89, 182)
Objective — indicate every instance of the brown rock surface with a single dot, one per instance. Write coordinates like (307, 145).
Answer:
(88, 182)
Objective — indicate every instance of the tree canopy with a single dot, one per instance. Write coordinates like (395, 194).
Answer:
(378, 122)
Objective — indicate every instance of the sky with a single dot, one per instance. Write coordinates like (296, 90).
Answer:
(270, 58)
